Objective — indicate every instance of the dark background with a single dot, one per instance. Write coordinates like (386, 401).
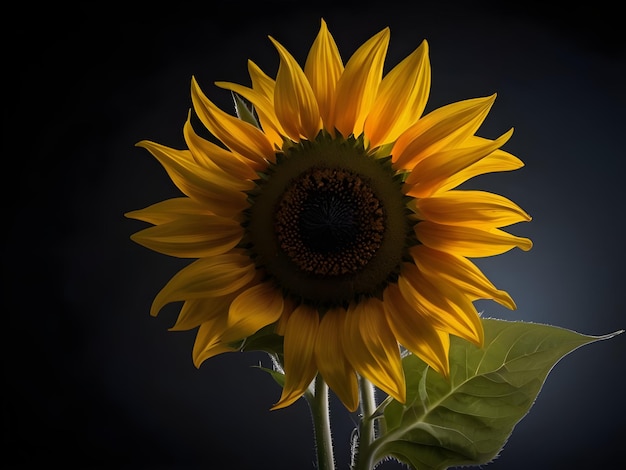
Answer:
(92, 381)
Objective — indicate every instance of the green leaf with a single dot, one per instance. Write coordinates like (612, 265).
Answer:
(467, 419)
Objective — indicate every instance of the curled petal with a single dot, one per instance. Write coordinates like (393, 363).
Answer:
(446, 308)
(415, 332)
(231, 318)
(331, 358)
(294, 100)
(358, 85)
(323, 68)
(401, 99)
(208, 341)
(372, 348)
(471, 242)
(440, 129)
(462, 273)
(254, 308)
(299, 365)
(472, 208)
(207, 277)
(239, 136)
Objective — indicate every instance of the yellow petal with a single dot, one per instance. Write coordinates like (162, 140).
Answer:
(465, 275)
(294, 100)
(323, 68)
(471, 242)
(372, 348)
(192, 236)
(402, 97)
(197, 311)
(440, 129)
(261, 82)
(445, 307)
(472, 208)
(498, 160)
(211, 156)
(239, 136)
(299, 364)
(415, 332)
(331, 358)
(431, 172)
(254, 308)
(208, 343)
(288, 308)
(197, 182)
(234, 317)
(168, 210)
(358, 85)
(264, 109)
(207, 277)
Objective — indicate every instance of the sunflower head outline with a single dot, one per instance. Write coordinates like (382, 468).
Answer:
(330, 217)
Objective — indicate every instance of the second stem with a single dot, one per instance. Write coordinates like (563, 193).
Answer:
(362, 460)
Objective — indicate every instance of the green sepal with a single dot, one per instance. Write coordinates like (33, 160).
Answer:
(278, 376)
(244, 111)
(264, 340)
(467, 419)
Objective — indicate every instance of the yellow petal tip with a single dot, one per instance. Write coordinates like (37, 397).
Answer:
(286, 401)
(526, 244)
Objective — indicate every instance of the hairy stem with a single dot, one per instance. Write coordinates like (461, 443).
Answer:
(367, 432)
(318, 404)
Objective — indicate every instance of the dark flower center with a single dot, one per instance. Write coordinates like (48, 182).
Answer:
(328, 222)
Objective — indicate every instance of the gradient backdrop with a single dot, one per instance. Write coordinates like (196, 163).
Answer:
(95, 382)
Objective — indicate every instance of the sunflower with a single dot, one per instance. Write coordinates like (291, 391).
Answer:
(329, 215)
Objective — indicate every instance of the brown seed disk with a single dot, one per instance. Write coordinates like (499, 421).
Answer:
(329, 222)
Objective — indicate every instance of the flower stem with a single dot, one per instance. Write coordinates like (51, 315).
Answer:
(321, 425)
(367, 432)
